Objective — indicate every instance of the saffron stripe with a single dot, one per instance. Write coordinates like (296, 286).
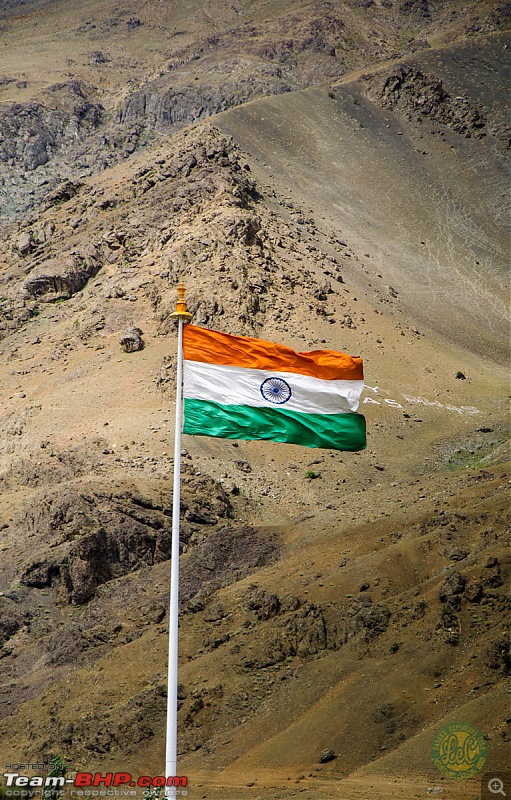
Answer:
(330, 431)
(213, 347)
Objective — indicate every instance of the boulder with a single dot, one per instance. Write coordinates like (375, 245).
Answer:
(454, 585)
(131, 340)
(25, 243)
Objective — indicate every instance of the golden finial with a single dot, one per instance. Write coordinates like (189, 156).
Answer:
(181, 311)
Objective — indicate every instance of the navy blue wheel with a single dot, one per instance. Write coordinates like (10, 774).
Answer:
(275, 390)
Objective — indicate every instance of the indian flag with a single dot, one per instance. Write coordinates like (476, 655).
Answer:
(236, 387)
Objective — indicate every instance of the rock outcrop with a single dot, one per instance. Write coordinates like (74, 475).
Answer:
(88, 539)
(60, 278)
(420, 96)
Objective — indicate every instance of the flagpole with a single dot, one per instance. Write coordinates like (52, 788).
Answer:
(182, 315)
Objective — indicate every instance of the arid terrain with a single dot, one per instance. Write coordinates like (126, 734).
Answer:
(322, 174)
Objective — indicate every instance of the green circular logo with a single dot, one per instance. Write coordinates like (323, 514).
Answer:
(459, 750)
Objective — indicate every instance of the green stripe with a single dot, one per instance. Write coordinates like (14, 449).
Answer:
(332, 431)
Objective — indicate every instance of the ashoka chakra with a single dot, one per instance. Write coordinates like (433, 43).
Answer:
(275, 390)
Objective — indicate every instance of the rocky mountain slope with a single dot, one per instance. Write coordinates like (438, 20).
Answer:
(353, 602)
(83, 86)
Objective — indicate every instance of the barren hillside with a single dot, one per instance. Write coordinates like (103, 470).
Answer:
(347, 190)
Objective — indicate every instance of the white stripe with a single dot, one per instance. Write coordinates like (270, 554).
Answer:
(239, 386)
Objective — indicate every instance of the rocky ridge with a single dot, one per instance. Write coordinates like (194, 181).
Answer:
(74, 128)
(204, 181)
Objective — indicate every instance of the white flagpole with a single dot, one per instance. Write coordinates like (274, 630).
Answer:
(182, 315)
